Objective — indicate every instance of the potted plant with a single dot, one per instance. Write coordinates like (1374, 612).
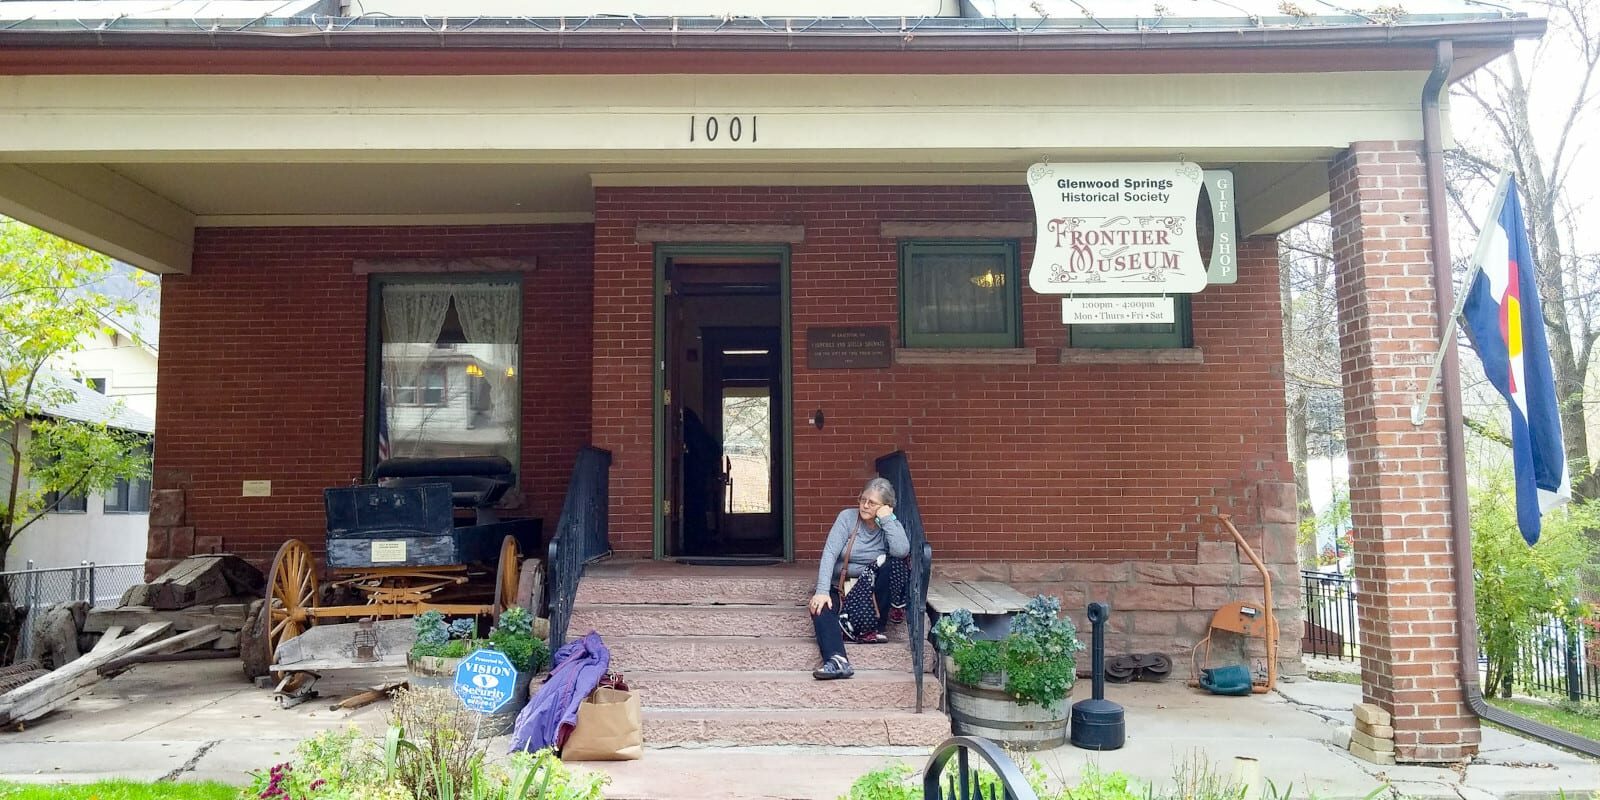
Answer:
(1012, 690)
(441, 645)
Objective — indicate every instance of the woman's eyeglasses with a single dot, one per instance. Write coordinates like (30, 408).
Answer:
(867, 502)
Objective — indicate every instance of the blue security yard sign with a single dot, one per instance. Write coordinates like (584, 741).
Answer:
(485, 681)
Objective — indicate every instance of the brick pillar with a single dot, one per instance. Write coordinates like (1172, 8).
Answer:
(1399, 494)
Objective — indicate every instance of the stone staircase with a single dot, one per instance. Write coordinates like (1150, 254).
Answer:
(723, 656)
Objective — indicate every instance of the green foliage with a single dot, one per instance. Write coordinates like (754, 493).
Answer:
(119, 790)
(1037, 660)
(513, 635)
(49, 309)
(1519, 587)
(428, 753)
(1194, 777)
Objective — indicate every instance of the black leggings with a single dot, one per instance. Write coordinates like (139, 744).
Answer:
(830, 638)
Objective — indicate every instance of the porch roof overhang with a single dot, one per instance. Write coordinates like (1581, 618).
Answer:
(128, 139)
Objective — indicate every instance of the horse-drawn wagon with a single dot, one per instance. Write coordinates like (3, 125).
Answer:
(394, 550)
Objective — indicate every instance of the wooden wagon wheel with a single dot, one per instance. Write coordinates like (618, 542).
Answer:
(507, 575)
(291, 595)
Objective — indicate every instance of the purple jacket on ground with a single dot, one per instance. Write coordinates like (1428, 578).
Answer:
(574, 672)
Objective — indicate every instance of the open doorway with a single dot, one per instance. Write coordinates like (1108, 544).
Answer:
(723, 457)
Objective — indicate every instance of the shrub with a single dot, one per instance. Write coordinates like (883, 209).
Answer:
(428, 753)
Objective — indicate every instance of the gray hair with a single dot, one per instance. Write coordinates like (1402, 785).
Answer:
(882, 488)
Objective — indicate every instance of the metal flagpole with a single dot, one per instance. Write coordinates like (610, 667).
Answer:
(1419, 406)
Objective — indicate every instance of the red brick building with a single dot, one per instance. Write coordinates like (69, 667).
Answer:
(308, 198)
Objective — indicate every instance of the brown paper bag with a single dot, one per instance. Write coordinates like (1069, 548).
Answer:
(610, 728)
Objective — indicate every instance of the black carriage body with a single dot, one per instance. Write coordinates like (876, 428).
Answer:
(372, 527)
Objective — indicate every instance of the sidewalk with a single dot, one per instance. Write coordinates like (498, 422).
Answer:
(201, 721)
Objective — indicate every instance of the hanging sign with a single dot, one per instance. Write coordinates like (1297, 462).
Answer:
(1223, 266)
(1116, 228)
(1118, 310)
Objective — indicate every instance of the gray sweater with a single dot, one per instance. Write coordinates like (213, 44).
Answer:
(871, 542)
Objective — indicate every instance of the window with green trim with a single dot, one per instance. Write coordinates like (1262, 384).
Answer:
(1142, 336)
(959, 294)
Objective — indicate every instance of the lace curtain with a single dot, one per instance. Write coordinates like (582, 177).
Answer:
(489, 316)
(478, 413)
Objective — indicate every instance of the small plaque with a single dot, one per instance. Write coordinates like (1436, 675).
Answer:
(257, 489)
(388, 552)
(849, 348)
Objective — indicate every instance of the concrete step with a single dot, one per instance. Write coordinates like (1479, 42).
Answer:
(704, 653)
(743, 621)
(747, 689)
(837, 728)
(776, 588)
(671, 620)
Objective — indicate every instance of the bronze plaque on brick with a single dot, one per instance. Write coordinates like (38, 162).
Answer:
(849, 348)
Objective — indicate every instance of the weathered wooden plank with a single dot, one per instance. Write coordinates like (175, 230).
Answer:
(976, 600)
(174, 644)
(229, 617)
(329, 647)
(944, 598)
(998, 596)
(39, 697)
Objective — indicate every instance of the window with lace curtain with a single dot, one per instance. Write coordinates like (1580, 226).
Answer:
(446, 367)
(959, 294)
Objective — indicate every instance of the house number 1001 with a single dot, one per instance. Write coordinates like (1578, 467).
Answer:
(713, 128)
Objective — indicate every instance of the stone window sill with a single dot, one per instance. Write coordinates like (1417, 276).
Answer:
(1099, 355)
(965, 355)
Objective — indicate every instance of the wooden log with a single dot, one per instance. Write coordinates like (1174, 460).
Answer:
(175, 644)
(49, 692)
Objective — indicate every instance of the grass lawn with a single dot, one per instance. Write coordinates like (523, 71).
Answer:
(1334, 677)
(1552, 716)
(118, 790)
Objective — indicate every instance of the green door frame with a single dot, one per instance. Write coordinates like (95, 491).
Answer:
(663, 256)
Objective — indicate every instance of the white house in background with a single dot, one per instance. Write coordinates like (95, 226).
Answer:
(121, 363)
(108, 528)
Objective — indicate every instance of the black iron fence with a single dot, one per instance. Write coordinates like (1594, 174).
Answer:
(1560, 659)
(582, 536)
(896, 469)
(1330, 605)
(37, 589)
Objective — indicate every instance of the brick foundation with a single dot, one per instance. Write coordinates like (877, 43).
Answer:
(1399, 488)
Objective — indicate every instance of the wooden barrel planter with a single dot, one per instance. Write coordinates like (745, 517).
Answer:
(987, 710)
(440, 673)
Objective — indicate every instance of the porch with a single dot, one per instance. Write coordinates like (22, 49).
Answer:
(198, 721)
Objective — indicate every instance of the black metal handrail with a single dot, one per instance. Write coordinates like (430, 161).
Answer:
(582, 536)
(964, 784)
(896, 469)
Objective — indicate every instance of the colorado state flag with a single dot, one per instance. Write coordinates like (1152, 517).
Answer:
(1507, 329)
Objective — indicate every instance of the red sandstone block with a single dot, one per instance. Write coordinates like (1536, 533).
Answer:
(158, 543)
(1140, 597)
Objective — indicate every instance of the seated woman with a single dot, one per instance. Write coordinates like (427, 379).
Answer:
(869, 545)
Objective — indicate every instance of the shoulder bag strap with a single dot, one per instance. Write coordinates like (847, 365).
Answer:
(844, 560)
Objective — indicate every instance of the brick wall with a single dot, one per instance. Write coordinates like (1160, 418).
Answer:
(1046, 464)
(1399, 487)
(264, 362)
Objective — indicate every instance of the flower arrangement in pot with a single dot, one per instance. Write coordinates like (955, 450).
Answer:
(1012, 689)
